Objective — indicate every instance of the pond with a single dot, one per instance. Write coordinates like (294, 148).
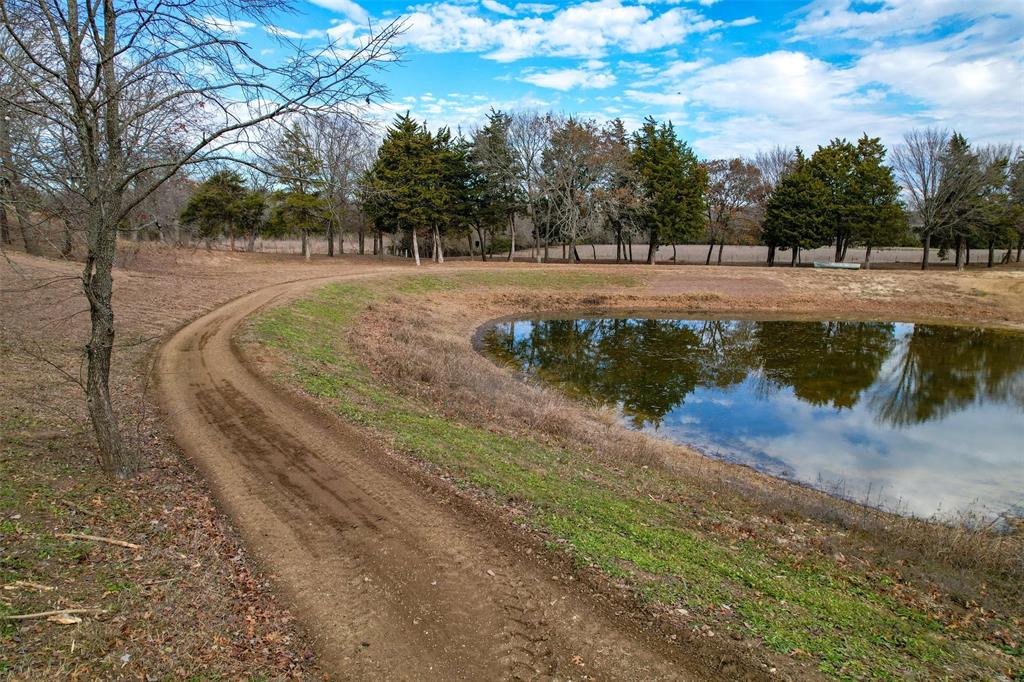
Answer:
(914, 418)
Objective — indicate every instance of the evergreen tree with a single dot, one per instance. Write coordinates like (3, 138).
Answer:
(996, 215)
(1015, 191)
(877, 217)
(796, 216)
(836, 167)
(214, 207)
(673, 182)
(961, 187)
(419, 182)
(398, 180)
(299, 205)
(494, 160)
(252, 216)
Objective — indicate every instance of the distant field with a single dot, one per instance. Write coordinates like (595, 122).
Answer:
(698, 253)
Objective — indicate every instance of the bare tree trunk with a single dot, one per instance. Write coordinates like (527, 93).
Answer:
(839, 249)
(771, 255)
(362, 240)
(330, 241)
(796, 255)
(6, 167)
(28, 233)
(5, 228)
(594, 247)
(563, 251)
(483, 244)
(652, 248)
(959, 253)
(618, 247)
(711, 248)
(674, 259)
(415, 247)
(251, 246)
(1020, 247)
(629, 240)
(721, 245)
(469, 240)
(926, 255)
(846, 245)
(438, 247)
(867, 257)
(967, 252)
(991, 253)
(66, 248)
(512, 242)
(306, 251)
(97, 282)
(231, 233)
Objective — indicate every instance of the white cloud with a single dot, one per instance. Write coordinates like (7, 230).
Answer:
(534, 8)
(464, 111)
(587, 29)
(745, 21)
(567, 79)
(294, 35)
(347, 8)
(344, 32)
(232, 26)
(661, 99)
(498, 8)
(881, 18)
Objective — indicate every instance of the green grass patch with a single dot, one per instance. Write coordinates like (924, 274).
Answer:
(850, 626)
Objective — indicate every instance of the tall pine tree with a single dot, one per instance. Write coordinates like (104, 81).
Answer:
(673, 183)
(796, 216)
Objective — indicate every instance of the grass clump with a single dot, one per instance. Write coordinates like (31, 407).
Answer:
(626, 519)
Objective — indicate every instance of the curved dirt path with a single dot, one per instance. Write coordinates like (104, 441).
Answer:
(392, 580)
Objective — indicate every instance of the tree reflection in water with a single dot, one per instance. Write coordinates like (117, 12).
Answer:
(647, 367)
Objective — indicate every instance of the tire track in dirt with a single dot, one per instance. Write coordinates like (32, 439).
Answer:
(390, 580)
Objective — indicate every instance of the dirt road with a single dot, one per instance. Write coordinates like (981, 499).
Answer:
(393, 580)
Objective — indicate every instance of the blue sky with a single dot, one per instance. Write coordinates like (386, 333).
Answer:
(734, 77)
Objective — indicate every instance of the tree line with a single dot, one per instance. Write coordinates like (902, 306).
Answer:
(568, 182)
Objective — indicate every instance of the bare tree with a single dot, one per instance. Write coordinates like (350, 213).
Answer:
(528, 136)
(138, 90)
(345, 146)
(575, 165)
(772, 166)
(620, 196)
(918, 166)
(733, 187)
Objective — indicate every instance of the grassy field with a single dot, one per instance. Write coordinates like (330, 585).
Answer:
(711, 562)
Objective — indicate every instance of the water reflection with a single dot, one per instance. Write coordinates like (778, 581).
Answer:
(926, 417)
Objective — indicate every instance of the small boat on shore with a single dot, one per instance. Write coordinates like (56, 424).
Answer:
(837, 266)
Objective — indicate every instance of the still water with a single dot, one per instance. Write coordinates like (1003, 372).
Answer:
(915, 418)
